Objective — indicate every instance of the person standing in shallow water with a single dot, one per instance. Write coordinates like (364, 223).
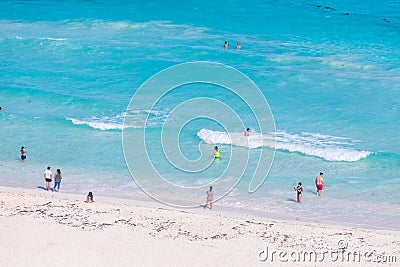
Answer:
(299, 190)
(217, 154)
(23, 153)
(319, 183)
(210, 196)
(48, 177)
(57, 180)
(247, 132)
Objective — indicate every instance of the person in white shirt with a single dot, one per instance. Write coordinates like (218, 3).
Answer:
(48, 177)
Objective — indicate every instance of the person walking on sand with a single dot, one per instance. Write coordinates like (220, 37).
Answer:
(319, 182)
(57, 180)
(23, 153)
(299, 190)
(210, 195)
(48, 177)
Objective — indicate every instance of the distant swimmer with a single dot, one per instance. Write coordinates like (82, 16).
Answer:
(23, 153)
(217, 155)
(226, 45)
(299, 190)
(319, 182)
(247, 132)
(238, 46)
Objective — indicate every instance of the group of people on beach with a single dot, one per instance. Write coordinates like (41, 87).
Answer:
(319, 180)
(48, 177)
(319, 183)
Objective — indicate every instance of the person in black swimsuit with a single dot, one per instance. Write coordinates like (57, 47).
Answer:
(23, 153)
(299, 190)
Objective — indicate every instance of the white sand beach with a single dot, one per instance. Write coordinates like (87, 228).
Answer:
(41, 228)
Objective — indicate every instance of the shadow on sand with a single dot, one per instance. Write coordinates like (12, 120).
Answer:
(44, 188)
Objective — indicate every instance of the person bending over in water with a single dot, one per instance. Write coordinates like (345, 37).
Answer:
(319, 182)
(89, 198)
(210, 196)
(299, 190)
(217, 155)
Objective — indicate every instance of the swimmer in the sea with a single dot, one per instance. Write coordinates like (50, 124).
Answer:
(238, 46)
(226, 45)
(247, 132)
(23, 153)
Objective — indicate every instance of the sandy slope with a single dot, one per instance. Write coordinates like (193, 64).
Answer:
(48, 229)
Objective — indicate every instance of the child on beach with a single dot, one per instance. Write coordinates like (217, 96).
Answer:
(57, 180)
(89, 198)
(299, 190)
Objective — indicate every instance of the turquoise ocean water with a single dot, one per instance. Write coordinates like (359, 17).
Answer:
(328, 69)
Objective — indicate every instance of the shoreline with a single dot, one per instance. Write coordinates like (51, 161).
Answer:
(113, 232)
(240, 213)
(144, 200)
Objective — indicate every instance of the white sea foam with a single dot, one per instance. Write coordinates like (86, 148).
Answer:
(327, 147)
(97, 124)
(135, 119)
(53, 39)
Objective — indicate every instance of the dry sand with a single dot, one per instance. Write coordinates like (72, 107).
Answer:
(39, 228)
